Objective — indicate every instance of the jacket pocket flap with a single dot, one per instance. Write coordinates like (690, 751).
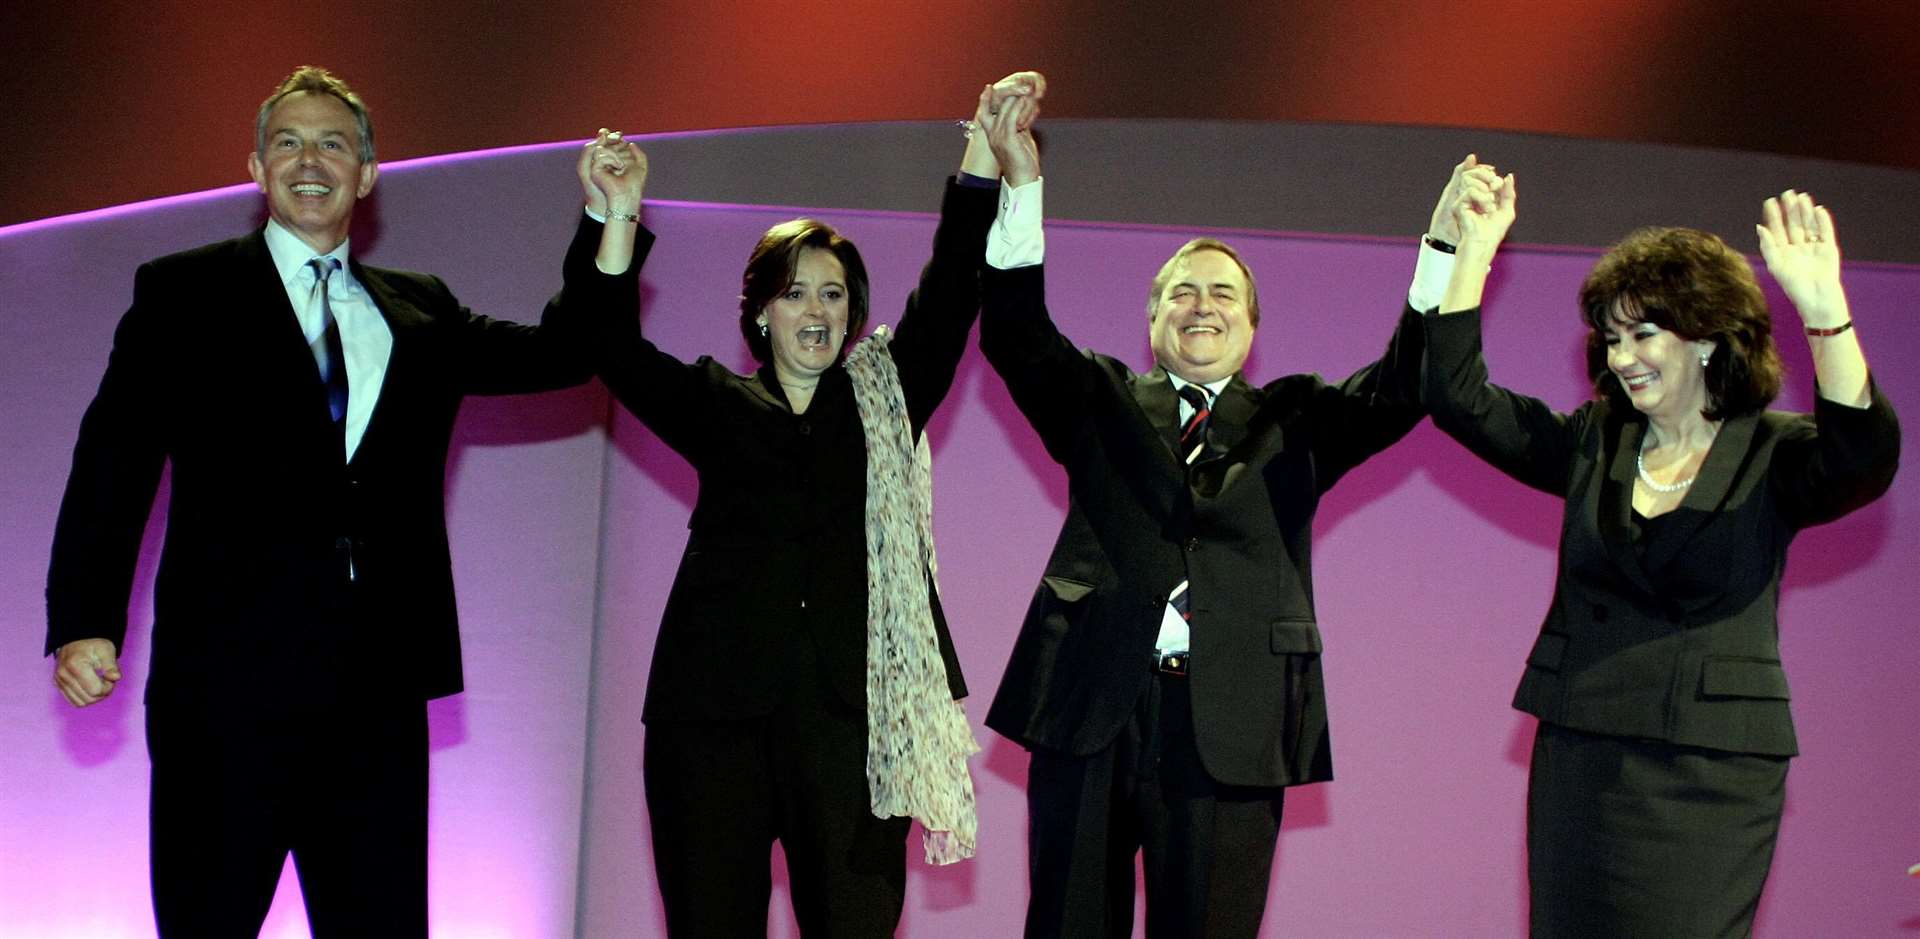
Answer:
(1296, 636)
(1068, 591)
(1744, 678)
(1547, 651)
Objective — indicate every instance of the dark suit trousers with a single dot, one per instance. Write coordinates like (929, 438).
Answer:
(719, 793)
(238, 785)
(1207, 848)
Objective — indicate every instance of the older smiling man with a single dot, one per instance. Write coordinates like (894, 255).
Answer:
(1167, 677)
(304, 609)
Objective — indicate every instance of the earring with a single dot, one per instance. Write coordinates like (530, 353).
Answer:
(763, 331)
(1706, 355)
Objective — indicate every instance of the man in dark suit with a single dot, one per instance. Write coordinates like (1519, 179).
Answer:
(304, 608)
(1167, 678)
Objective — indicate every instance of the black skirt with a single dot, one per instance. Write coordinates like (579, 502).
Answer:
(1633, 837)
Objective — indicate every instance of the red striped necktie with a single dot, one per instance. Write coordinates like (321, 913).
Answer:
(1194, 440)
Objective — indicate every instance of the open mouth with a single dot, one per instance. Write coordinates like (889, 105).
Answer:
(1637, 382)
(1201, 331)
(813, 337)
(311, 189)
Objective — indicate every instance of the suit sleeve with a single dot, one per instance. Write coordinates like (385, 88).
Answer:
(1373, 407)
(932, 336)
(674, 399)
(1520, 436)
(116, 472)
(1051, 382)
(503, 357)
(1840, 460)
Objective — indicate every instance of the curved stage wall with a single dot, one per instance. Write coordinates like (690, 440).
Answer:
(568, 521)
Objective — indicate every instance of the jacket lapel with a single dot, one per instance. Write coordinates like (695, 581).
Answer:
(399, 317)
(278, 325)
(1615, 503)
(1160, 409)
(1233, 411)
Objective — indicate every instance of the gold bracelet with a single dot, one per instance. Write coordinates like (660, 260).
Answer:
(620, 217)
(1832, 331)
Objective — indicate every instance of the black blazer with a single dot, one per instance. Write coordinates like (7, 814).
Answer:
(774, 574)
(210, 372)
(1240, 533)
(1682, 644)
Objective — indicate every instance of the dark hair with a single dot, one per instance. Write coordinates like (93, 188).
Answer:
(1204, 244)
(1692, 284)
(319, 81)
(770, 272)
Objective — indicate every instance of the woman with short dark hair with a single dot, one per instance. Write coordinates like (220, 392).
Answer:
(804, 687)
(1659, 766)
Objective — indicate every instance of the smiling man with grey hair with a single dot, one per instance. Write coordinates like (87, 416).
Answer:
(303, 612)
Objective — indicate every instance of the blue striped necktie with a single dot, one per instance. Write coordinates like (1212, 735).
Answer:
(327, 352)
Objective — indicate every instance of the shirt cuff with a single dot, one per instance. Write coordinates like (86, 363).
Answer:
(1017, 238)
(1430, 276)
(594, 215)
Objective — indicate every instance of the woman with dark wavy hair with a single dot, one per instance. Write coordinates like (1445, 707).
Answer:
(804, 687)
(1660, 760)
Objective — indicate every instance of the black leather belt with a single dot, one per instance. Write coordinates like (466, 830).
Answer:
(1171, 663)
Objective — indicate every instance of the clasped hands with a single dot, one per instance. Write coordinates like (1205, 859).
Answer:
(613, 175)
(1001, 144)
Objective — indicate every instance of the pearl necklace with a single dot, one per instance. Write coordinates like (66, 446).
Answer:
(1640, 464)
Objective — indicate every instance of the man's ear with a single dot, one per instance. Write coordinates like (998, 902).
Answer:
(257, 170)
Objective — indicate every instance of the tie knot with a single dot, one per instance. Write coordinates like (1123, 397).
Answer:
(1195, 395)
(322, 267)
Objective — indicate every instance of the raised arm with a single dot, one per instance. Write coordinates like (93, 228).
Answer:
(933, 330)
(1848, 455)
(1802, 251)
(613, 177)
(1048, 378)
(666, 394)
(1483, 207)
(1521, 436)
(496, 356)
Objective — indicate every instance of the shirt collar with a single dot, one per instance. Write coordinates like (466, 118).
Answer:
(1213, 387)
(290, 254)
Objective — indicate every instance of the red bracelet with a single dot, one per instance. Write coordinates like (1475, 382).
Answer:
(1834, 331)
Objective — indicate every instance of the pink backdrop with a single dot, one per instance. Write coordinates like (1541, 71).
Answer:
(1433, 572)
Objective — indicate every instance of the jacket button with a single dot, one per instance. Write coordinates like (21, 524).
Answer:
(1193, 544)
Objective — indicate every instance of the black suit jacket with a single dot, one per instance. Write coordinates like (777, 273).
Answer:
(774, 575)
(210, 372)
(1681, 644)
(1239, 530)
